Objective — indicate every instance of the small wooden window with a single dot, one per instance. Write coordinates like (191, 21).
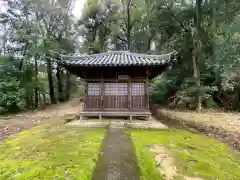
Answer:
(93, 100)
(94, 89)
(116, 89)
(138, 89)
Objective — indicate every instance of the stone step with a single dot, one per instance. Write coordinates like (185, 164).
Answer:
(117, 125)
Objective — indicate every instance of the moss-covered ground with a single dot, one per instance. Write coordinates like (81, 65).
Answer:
(50, 152)
(195, 155)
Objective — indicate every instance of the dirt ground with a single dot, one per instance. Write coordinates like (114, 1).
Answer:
(12, 124)
(221, 125)
(228, 121)
(165, 163)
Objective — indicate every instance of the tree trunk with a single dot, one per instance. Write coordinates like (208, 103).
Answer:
(196, 54)
(237, 100)
(68, 86)
(44, 100)
(31, 101)
(59, 82)
(129, 25)
(148, 49)
(50, 81)
(24, 54)
(4, 40)
(237, 105)
(28, 101)
(197, 81)
(36, 87)
(213, 30)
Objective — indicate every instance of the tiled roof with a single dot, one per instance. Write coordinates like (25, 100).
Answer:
(117, 58)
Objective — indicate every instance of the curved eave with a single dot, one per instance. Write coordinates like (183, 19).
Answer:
(113, 65)
(118, 59)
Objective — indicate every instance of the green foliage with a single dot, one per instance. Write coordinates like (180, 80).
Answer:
(161, 87)
(219, 64)
(11, 91)
(145, 26)
(37, 33)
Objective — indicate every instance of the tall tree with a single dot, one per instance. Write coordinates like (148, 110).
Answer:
(196, 52)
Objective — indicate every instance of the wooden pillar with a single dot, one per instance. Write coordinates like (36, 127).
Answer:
(85, 95)
(102, 92)
(130, 97)
(129, 94)
(146, 90)
(86, 90)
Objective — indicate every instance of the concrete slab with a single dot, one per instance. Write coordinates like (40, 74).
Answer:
(119, 123)
(90, 123)
(146, 125)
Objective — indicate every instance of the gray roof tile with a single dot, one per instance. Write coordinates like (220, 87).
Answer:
(117, 58)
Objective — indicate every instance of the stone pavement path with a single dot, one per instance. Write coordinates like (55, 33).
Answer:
(117, 160)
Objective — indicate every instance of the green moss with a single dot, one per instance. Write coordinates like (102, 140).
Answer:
(48, 152)
(195, 155)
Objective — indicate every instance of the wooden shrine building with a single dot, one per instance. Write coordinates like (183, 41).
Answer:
(117, 82)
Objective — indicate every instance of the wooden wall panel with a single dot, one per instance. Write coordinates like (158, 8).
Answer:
(138, 95)
(115, 102)
(93, 102)
(93, 99)
(115, 96)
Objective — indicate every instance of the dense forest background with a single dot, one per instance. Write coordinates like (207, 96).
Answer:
(205, 33)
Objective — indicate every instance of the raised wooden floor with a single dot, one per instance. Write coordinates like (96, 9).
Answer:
(101, 114)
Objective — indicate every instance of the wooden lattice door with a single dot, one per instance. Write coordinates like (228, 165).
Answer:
(115, 96)
(138, 96)
(93, 98)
